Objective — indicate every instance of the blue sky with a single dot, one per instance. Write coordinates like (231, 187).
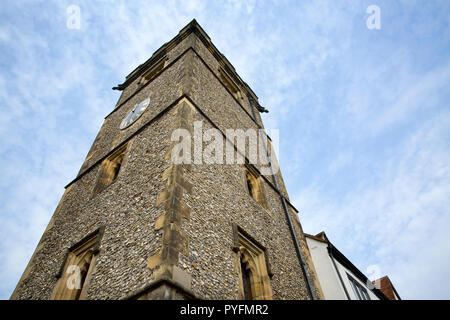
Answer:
(364, 115)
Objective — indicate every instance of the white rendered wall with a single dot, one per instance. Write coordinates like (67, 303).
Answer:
(328, 278)
(343, 271)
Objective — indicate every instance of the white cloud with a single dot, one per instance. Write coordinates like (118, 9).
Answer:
(401, 221)
(331, 97)
(420, 94)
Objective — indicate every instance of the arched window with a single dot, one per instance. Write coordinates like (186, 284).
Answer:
(154, 71)
(110, 169)
(254, 185)
(74, 277)
(246, 281)
(250, 185)
(230, 84)
(254, 272)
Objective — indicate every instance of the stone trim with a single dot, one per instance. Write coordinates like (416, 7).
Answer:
(226, 88)
(253, 177)
(146, 84)
(253, 255)
(107, 174)
(82, 254)
(232, 86)
(98, 233)
(137, 294)
(153, 71)
(174, 241)
(192, 27)
(169, 65)
(236, 230)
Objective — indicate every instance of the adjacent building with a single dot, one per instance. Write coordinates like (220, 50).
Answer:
(339, 278)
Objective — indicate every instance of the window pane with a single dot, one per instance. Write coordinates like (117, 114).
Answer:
(355, 288)
(366, 295)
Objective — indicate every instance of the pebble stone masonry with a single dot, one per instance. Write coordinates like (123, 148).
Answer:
(168, 230)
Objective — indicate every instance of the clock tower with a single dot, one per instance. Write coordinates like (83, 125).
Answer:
(159, 208)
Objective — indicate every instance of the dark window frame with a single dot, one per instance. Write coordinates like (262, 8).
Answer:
(360, 292)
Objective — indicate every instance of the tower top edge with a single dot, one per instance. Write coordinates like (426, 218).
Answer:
(192, 27)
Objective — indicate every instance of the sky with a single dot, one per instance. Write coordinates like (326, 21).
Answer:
(363, 115)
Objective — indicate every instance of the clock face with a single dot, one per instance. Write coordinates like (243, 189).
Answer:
(134, 114)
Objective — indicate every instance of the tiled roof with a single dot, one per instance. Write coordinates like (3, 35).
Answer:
(385, 285)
